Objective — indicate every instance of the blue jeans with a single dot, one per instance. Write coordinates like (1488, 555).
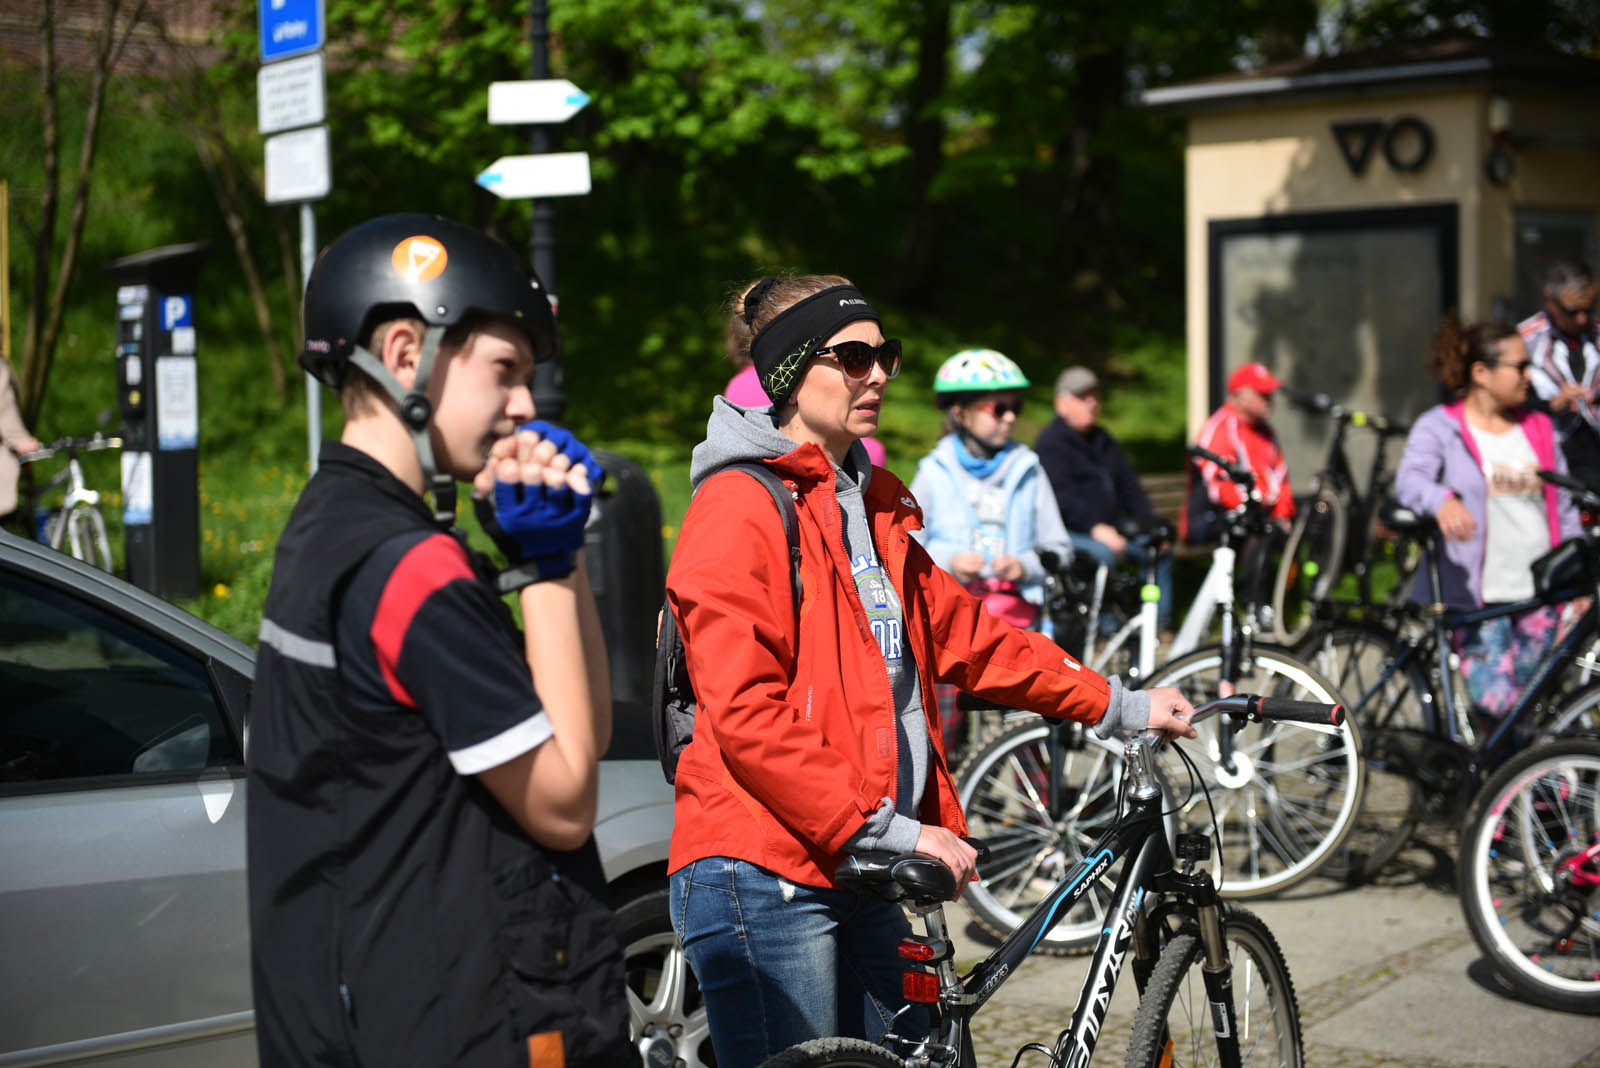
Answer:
(1137, 553)
(780, 963)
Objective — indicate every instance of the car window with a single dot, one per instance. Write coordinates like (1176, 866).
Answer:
(88, 694)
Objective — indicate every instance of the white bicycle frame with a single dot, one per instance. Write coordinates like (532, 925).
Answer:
(1215, 592)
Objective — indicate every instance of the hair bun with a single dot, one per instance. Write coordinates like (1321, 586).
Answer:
(756, 294)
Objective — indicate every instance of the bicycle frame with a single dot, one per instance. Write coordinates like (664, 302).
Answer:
(1440, 722)
(1138, 835)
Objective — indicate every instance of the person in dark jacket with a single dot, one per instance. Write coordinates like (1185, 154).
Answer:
(422, 777)
(1094, 483)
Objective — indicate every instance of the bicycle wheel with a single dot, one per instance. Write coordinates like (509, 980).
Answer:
(1579, 712)
(834, 1053)
(1530, 874)
(1291, 792)
(1354, 657)
(1313, 559)
(86, 534)
(1174, 1027)
(1004, 792)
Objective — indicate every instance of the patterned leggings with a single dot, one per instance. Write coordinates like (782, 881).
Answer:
(1499, 656)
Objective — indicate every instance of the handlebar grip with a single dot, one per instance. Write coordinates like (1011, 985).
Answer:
(1282, 708)
(1235, 472)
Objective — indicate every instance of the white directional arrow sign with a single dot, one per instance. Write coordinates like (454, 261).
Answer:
(552, 174)
(548, 100)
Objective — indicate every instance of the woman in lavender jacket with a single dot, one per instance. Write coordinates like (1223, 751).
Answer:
(1473, 465)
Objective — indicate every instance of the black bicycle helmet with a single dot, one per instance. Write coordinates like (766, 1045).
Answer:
(422, 267)
(416, 266)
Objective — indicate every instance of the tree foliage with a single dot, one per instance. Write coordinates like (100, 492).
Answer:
(980, 166)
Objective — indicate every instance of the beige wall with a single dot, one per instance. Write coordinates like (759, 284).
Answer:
(1284, 158)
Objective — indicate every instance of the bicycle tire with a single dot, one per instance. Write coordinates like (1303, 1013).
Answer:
(1294, 792)
(1001, 790)
(1579, 712)
(1523, 874)
(834, 1053)
(1174, 1028)
(86, 529)
(1393, 804)
(1312, 562)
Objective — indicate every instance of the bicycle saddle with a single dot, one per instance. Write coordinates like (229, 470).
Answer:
(897, 875)
(1402, 520)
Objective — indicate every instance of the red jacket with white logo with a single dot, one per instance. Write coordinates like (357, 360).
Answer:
(795, 743)
(1231, 436)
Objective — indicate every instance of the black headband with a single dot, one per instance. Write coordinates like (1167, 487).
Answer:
(782, 347)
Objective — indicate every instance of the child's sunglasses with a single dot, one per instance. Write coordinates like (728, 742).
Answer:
(856, 357)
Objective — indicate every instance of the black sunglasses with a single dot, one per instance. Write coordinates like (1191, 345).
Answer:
(1520, 366)
(1000, 409)
(1572, 313)
(856, 357)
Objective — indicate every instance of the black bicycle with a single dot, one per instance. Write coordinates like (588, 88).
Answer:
(1425, 756)
(1214, 986)
(1334, 530)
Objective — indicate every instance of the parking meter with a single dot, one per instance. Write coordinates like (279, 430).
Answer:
(158, 395)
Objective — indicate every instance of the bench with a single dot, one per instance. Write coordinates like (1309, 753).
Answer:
(1168, 492)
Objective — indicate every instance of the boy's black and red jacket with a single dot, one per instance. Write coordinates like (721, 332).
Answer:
(398, 915)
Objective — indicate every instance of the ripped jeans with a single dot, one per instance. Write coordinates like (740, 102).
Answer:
(780, 963)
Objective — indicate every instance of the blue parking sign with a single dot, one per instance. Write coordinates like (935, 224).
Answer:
(175, 312)
(289, 27)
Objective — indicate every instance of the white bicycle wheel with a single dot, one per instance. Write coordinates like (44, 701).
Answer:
(1289, 795)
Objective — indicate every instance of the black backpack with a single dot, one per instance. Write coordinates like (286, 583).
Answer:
(672, 701)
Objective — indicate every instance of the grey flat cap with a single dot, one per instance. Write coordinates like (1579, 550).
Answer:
(1077, 381)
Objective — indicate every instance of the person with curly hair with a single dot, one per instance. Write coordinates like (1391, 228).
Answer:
(1473, 464)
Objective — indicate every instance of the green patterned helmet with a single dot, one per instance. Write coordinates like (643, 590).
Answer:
(974, 371)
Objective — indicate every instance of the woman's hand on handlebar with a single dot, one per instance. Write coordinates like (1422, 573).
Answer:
(1170, 712)
(958, 856)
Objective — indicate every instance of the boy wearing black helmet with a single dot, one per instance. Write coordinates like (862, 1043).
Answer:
(424, 887)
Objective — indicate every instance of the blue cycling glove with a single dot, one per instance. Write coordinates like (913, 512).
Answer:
(539, 527)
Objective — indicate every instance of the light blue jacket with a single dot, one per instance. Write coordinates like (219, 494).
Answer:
(1033, 519)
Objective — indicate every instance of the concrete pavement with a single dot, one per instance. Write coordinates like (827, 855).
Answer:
(1387, 976)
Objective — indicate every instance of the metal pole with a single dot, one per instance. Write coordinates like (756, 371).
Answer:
(549, 398)
(308, 259)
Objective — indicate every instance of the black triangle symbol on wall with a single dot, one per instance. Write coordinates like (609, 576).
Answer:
(1356, 141)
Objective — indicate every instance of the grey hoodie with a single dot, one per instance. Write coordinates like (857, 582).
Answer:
(744, 435)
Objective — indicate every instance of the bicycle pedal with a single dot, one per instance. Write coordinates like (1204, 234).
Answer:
(1193, 847)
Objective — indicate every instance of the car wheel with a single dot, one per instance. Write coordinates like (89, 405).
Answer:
(667, 1019)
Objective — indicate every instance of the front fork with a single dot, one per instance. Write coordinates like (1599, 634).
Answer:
(1217, 968)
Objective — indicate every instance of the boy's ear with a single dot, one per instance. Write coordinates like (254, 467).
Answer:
(401, 349)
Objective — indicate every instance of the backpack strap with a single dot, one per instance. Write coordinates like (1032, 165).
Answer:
(783, 497)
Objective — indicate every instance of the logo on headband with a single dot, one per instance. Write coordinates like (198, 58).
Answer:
(780, 380)
(851, 300)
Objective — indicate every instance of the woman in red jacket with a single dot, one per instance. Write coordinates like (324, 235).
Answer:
(819, 738)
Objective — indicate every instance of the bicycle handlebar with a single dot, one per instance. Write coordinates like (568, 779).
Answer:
(1582, 495)
(1236, 472)
(71, 446)
(1322, 404)
(1276, 709)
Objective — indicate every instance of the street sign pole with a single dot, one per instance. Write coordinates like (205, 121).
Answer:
(549, 395)
(291, 106)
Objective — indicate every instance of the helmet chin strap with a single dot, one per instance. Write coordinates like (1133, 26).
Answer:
(416, 412)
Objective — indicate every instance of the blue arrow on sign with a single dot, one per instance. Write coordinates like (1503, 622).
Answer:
(289, 27)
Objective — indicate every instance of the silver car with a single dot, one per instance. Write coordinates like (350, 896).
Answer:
(122, 831)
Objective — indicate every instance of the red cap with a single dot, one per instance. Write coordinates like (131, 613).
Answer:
(1252, 376)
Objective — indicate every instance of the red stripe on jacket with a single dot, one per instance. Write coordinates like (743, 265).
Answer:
(428, 567)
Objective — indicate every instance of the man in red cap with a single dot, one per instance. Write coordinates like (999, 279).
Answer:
(1241, 431)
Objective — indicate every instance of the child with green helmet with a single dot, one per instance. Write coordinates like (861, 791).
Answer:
(987, 506)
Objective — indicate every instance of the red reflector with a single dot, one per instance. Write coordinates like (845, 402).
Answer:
(911, 950)
(921, 987)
